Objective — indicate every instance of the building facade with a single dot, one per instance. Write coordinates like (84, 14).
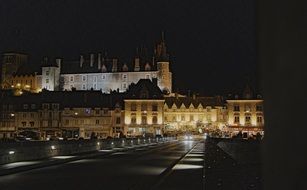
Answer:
(245, 114)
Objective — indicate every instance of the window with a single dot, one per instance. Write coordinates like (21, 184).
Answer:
(50, 114)
(154, 120)
(71, 79)
(97, 121)
(259, 119)
(105, 111)
(47, 81)
(259, 108)
(25, 106)
(24, 115)
(237, 119)
(208, 109)
(24, 123)
(118, 120)
(133, 107)
(95, 79)
(45, 106)
(143, 107)
(236, 108)
(182, 118)
(32, 123)
(124, 85)
(133, 118)
(55, 106)
(47, 73)
(144, 119)
(191, 118)
(103, 77)
(154, 107)
(247, 119)
(66, 122)
(83, 78)
(95, 86)
(174, 118)
(147, 76)
(97, 112)
(83, 87)
(33, 106)
(31, 115)
(124, 77)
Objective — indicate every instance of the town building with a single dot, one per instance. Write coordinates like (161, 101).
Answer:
(245, 113)
(184, 113)
(144, 109)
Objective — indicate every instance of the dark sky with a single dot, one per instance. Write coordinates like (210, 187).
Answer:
(212, 43)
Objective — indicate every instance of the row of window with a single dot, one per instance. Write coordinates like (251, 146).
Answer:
(103, 77)
(247, 108)
(247, 119)
(144, 120)
(21, 82)
(154, 107)
(191, 118)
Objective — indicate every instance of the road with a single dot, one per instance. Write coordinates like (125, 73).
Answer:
(176, 165)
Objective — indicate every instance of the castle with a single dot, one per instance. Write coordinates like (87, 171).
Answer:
(96, 72)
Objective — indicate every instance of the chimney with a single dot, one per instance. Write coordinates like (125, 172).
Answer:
(99, 61)
(114, 65)
(137, 64)
(58, 62)
(91, 59)
(155, 81)
(81, 60)
(194, 96)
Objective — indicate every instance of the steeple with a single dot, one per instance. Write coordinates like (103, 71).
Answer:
(160, 51)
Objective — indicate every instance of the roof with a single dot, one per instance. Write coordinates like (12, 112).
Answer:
(144, 89)
(188, 101)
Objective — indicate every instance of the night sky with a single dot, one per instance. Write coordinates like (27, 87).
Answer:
(211, 43)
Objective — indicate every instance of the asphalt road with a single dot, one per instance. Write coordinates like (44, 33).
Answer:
(141, 168)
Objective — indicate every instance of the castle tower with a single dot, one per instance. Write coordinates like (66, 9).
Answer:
(164, 74)
(10, 64)
(51, 75)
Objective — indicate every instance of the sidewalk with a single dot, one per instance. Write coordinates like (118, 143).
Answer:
(16, 167)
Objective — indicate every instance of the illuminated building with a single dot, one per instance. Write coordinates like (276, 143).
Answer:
(97, 72)
(144, 109)
(183, 113)
(245, 113)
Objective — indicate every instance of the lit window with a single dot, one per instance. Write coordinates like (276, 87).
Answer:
(144, 119)
(144, 107)
(133, 107)
(154, 107)
(259, 108)
(154, 120)
(237, 119)
(118, 120)
(236, 108)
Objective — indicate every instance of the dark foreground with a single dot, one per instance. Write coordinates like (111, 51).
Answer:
(153, 167)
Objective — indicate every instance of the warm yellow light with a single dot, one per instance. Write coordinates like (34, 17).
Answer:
(76, 113)
(18, 84)
(12, 86)
(27, 86)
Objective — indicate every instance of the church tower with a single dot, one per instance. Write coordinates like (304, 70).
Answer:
(164, 75)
